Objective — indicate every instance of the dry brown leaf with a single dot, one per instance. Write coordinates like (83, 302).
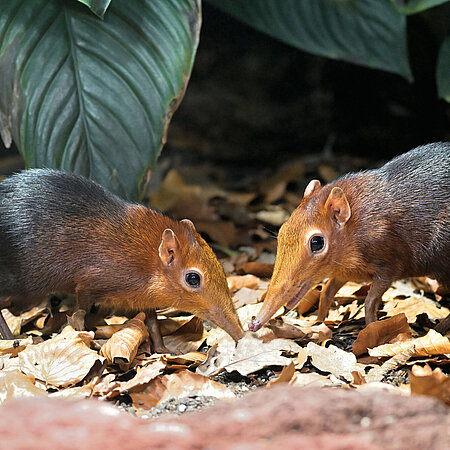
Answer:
(187, 338)
(106, 331)
(177, 197)
(61, 361)
(169, 325)
(411, 306)
(381, 332)
(377, 373)
(144, 375)
(262, 270)
(178, 385)
(249, 355)
(310, 379)
(14, 384)
(14, 322)
(301, 358)
(285, 376)
(189, 360)
(432, 343)
(333, 360)
(434, 383)
(308, 301)
(285, 330)
(274, 215)
(122, 347)
(76, 320)
(75, 392)
(224, 233)
(246, 296)
(236, 282)
(14, 346)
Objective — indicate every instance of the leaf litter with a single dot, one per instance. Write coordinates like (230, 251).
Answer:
(401, 352)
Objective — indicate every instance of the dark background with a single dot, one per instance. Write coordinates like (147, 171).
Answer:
(254, 103)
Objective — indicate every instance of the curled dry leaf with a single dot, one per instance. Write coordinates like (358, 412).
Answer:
(143, 377)
(432, 343)
(434, 383)
(285, 330)
(14, 346)
(14, 384)
(122, 347)
(308, 301)
(285, 376)
(333, 360)
(381, 332)
(106, 331)
(262, 270)
(236, 282)
(189, 360)
(169, 325)
(62, 361)
(178, 385)
(76, 320)
(187, 338)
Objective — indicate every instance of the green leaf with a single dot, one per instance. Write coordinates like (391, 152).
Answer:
(90, 96)
(415, 6)
(367, 32)
(98, 7)
(443, 70)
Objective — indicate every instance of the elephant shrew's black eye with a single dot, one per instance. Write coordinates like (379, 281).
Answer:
(193, 279)
(316, 243)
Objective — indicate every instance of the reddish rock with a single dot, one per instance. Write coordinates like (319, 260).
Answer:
(281, 417)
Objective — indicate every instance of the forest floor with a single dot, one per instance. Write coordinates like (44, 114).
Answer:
(239, 212)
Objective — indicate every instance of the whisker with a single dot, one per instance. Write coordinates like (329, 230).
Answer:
(343, 265)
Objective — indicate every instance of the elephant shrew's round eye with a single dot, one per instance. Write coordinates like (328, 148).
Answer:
(316, 243)
(193, 279)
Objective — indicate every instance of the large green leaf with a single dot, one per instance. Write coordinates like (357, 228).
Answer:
(98, 7)
(367, 32)
(92, 96)
(415, 6)
(443, 70)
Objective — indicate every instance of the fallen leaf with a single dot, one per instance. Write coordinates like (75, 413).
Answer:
(381, 332)
(411, 306)
(122, 347)
(144, 375)
(432, 343)
(14, 346)
(61, 361)
(75, 392)
(169, 325)
(250, 355)
(285, 330)
(190, 360)
(14, 384)
(236, 282)
(275, 216)
(262, 270)
(246, 296)
(76, 320)
(434, 383)
(187, 338)
(308, 301)
(310, 379)
(301, 358)
(285, 376)
(224, 233)
(378, 372)
(333, 360)
(106, 331)
(179, 385)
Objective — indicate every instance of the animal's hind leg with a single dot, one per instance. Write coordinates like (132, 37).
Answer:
(4, 329)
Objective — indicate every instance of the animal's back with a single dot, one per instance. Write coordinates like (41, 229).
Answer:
(409, 197)
(46, 216)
